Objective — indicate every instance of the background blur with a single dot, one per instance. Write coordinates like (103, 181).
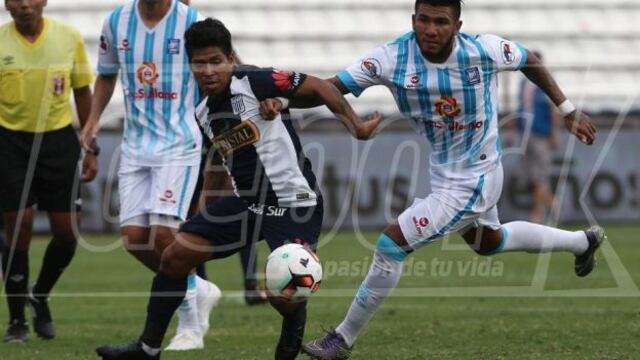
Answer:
(592, 47)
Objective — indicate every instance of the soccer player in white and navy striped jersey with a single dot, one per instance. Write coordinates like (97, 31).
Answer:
(446, 83)
(143, 41)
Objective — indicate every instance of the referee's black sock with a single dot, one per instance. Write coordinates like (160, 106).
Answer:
(56, 259)
(167, 294)
(292, 333)
(16, 280)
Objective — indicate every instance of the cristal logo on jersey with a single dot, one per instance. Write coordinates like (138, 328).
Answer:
(244, 134)
(147, 73)
(448, 106)
(507, 53)
(371, 68)
(286, 80)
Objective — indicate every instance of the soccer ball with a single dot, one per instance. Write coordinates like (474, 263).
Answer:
(293, 272)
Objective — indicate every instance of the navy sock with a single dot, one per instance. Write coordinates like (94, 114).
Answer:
(292, 333)
(201, 271)
(56, 259)
(167, 294)
(16, 280)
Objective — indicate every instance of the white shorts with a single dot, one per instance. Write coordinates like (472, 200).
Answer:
(453, 207)
(155, 190)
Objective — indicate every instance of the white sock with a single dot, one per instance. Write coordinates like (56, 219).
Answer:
(188, 310)
(534, 238)
(202, 287)
(382, 279)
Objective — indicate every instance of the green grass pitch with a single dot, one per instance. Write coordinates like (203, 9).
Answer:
(451, 304)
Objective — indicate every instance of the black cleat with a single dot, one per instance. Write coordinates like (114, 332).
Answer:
(17, 332)
(257, 296)
(585, 263)
(42, 322)
(130, 351)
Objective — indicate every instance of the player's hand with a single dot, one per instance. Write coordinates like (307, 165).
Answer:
(581, 125)
(89, 167)
(367, 129)
(88, 133)
(270, 108)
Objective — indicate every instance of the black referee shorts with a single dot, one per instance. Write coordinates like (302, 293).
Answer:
(54, 185)
(229, 225)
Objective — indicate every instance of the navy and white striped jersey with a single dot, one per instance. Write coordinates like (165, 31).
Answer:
(160, 92)
(264, 158)
(453, 104)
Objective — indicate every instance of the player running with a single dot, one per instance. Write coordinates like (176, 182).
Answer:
(276, 193)
(446, 83)
(160, 160)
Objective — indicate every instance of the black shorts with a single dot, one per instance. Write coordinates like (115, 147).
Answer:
(229, 224)
(54, 184)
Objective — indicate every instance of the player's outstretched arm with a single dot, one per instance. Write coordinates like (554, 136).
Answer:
(578, 123)
(104, 87)
(330, 96)
(270, 108)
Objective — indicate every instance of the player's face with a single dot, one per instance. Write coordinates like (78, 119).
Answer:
(25, 12)
(435, 28)
(212, 69)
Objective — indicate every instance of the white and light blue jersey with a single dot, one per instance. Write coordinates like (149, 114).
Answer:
(160, 91)
(453, 104)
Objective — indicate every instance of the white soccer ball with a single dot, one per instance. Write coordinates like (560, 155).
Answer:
(293, 272)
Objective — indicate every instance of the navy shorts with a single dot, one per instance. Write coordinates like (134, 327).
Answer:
(230, 224)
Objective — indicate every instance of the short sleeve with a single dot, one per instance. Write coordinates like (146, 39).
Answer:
(367, 71)
(269, 83)
(108, 51)
(507, 55)
(81, 74)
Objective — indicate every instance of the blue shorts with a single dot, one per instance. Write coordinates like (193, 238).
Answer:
(230, 224)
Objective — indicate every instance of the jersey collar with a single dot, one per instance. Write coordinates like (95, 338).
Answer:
(39, 40)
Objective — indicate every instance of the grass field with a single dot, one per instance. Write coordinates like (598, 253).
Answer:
(451, 304)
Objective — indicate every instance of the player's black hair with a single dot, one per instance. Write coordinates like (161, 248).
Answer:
(208, 33)
(455, 4)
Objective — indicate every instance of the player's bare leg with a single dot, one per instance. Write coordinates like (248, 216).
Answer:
(15, 262)
(167, 293)
(383, 277)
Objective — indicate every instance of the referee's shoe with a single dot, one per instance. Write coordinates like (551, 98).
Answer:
(42, 322)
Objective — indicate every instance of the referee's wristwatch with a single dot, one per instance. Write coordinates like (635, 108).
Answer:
(93, 147)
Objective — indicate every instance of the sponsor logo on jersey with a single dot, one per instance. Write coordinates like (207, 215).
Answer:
(237, 103)
(173, 46)
(124, 45)
(507, 53)
(244, 134)
(260, 209)
(472, 76)
(448, 106)
(104, 46)
(414, 82)
(58, 85)
(455, 125)
(420, 224)
(147, 73)
(286, 81)
(371, 68)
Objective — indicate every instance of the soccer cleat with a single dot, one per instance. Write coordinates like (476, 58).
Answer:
(585, 263)
(17, 332)
(206, 304)
(130, 351)
(42, 322)
(186, 340)
(330, 347)
(257, 296)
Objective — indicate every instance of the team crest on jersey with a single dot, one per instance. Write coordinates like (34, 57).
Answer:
(507, 53)
(147, 73)
(237, 103)
(286, 80)
(371, 68)
(58, 85)
(173, 46)
(472, 76)
(241, 135)
(104, 46)
(448, 106)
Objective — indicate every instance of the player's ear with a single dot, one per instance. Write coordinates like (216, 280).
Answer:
(458, 25)
(413, 21)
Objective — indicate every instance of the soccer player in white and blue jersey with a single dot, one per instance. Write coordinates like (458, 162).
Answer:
(445, 82)
(143, 41)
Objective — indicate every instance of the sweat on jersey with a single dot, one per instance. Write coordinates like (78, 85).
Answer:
(264, 159)
(160, 92)
(453, 104)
